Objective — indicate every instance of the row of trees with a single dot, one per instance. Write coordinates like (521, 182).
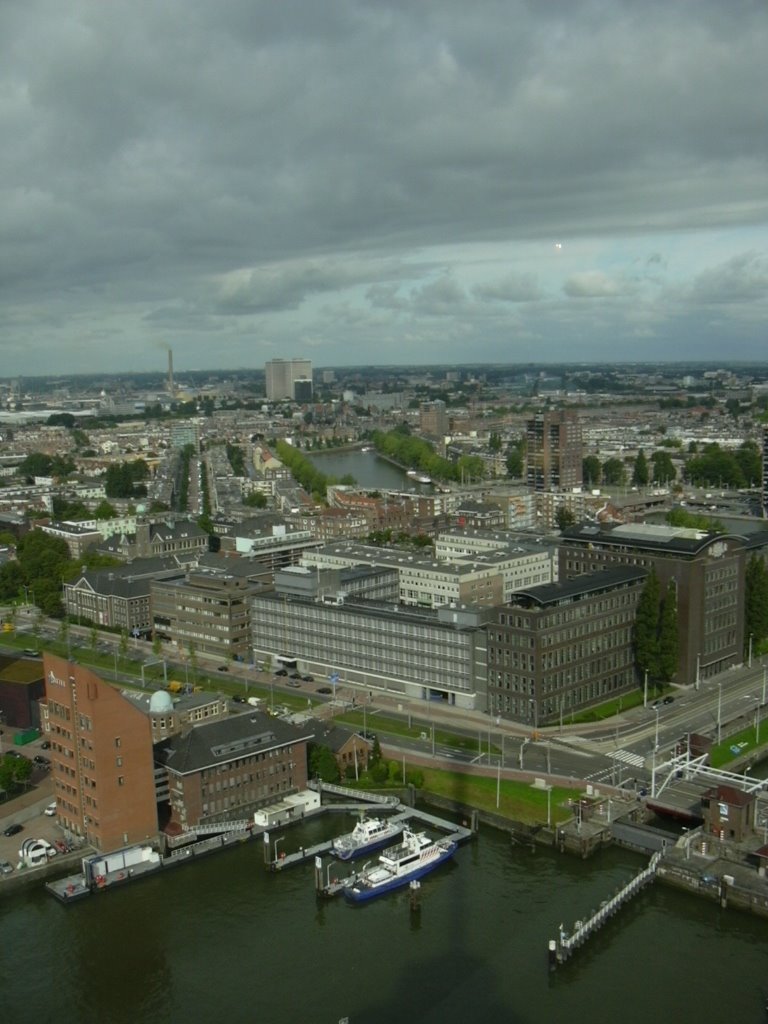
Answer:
(714, 467)
(415, 453)
(656, 631)
(306, 473)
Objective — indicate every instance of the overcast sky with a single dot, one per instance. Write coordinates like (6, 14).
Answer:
(381, 181)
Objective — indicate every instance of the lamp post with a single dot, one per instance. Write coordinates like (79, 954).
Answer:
(549, 806)
(749, 654)
(698, 669)
(656, 742)
(645, 690)
(719, 708)
(532, 701)
(278, 840)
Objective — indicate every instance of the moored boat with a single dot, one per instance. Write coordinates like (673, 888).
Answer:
(399, 865)
(368, 834)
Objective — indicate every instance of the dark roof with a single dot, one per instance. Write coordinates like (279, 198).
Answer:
(227, 739)
(334, 737)
(682, 541)
(730, 795)
(579, 586)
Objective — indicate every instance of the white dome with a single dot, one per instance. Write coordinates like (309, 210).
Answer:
(160, 702)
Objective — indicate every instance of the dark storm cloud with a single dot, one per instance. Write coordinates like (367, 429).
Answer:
(199, 161)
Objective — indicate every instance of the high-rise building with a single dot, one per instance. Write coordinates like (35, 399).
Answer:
(101, 754)
(554, 451)
(282, 375)
(765, 472)
(433, 418)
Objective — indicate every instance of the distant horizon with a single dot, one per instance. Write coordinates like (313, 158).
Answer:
(162, 372)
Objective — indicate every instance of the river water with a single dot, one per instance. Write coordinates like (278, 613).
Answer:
(225, 940)
(368, 468)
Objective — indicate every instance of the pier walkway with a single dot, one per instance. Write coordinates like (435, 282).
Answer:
(562, 948)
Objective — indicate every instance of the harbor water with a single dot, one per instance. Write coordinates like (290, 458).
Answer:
(224, 939)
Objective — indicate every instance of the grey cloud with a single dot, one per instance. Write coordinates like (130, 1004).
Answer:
(511, 288)
(153, 150)
(594, 284)
(743, 278)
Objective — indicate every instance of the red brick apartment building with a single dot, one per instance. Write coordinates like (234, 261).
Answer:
(102, 759)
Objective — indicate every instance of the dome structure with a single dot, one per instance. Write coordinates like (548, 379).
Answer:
(160, 702)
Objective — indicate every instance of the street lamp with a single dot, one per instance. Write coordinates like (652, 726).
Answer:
(534, 703)
(698, 669)
(656, 743)
(719, 707)
(749, 655)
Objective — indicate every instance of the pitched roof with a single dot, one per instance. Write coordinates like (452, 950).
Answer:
(227, 739)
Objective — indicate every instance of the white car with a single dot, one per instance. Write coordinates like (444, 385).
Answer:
(50, 810)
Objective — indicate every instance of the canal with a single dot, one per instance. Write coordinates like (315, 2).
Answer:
(224, 940)
(368, 468)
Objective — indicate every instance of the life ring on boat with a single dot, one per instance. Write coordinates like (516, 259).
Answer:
(121, 876)
(282, 855)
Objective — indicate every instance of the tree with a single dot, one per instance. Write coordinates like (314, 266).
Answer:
(93, 638)
(255, 500)
(663, 468)
(668, 646)
(494, 442)
(123, 647)
(564, 517)
(640, 474)
(104, 510)
(646, 633)
(614, 473)
(591, 471)
(322, 763)
(12, 579)
(515, 462)
(157, 645)
(755, 601)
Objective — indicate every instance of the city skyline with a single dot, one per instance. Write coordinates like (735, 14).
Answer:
(355, 183)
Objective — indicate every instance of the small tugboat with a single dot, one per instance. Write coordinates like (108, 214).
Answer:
(416, 856)
(368, 834)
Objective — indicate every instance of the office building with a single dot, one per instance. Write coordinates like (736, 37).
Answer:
(561, 647)
(707, 569)
(208, 613)
(554, 451)
(281, 376)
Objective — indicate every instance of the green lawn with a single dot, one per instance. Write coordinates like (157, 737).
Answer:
(518, 801)
(382, 725)
(738, 745)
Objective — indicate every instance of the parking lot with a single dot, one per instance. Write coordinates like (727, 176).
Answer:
(27, 809)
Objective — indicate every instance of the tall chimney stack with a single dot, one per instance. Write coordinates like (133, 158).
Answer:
(170, 372)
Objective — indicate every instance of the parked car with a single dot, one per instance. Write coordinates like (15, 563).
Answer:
(5, 867)
(294, 682)
(238, 699)
(50, 810)
(668, 700)
(308, 679)
(223, 668)
(282, 672)
(40, 759)
(46, 745)
(324, 689)
(13, 830)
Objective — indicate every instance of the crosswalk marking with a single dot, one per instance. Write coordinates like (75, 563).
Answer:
(636, 760)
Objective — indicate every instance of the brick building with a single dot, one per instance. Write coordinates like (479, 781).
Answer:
(101, 758)
(564, 646)
(708, 571)
(225, 770)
